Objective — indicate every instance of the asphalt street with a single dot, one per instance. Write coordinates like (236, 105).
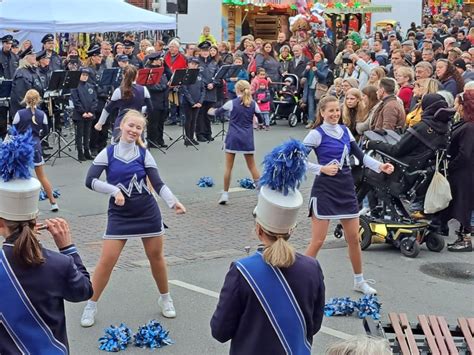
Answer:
(201, 245)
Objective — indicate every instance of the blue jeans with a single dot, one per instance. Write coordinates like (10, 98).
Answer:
(265, 118)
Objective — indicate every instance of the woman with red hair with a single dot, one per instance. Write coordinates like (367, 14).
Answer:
(461, 173)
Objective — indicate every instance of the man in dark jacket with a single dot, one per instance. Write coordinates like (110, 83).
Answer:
(8, 65)
(128, 48)
(48, 45)
(207, 69)
(159, 99)
(43, 70)
(298, 64)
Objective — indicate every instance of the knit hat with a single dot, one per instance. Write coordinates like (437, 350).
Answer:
(460, 63)
(19, 192)
(279, 199)
(263, 82)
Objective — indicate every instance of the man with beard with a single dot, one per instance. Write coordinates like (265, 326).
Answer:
(55, 62)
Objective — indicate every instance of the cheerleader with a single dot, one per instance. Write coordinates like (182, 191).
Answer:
(239, 138)
(333, 193)
(33, 118)
(133, 211)
(129, 96)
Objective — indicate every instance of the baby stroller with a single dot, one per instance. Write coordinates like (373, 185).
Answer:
(287, 102)
(390, 222)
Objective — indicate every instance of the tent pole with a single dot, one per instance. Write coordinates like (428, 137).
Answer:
(176, 34)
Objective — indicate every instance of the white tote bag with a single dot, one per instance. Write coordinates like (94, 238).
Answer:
(438, 195)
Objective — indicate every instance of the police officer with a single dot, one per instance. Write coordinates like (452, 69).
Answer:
(207, 69)
(98, 139)
(8, 60)
(128, 47)
(48, 45)
(44, 70)
(159, 99)
(26, 77)
(8, 65)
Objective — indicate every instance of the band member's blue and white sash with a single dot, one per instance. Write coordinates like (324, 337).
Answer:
(21, 320)
(278, 302)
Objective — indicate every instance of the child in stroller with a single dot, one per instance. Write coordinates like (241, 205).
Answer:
(286, 101)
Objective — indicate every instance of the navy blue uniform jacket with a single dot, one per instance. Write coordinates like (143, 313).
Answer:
(240, 317)
(61, 277)
(84, 99)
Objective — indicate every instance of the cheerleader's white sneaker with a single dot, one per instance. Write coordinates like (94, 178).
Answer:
(88, 315)
(224, 198)
(167, 307)
(365, 288)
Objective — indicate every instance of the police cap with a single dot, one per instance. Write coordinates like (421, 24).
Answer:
(15, 43)
(41, 55)
(86, 70)
(205, 45)
(27, 51)
(193, 60)
(7, 39)
(128, 43)
(47, 38)
(95, 50)
(155, 55)
(73, 59)
(123, 58)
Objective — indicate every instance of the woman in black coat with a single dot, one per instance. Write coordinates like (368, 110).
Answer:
(461, 175)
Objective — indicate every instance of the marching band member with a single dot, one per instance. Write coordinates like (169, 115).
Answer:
(34, 281)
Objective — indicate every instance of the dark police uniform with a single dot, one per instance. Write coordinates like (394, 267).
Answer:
(133, 60)
(84, 98)
(43, 72)
(8, 65)
(25, 78)
(55, 60)
(207, 69)
(160, 103)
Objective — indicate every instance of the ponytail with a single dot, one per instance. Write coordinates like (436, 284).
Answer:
(27, 248)
(31, 100)
(243, 88)
(129, 76)
(280, 253)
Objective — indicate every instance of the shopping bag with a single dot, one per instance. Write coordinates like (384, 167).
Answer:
(438, 195)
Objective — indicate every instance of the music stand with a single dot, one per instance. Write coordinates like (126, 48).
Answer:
(5, 92)
(225, 72)
(60, 80)
(183, 77)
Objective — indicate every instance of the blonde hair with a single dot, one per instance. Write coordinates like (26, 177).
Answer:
(243, 87)
(280, 253)
(337, 81)
(357, 114)
(360, 345)
(380, 72)
(135, 114)
(321, 107)
(32, 98)
(406, 72)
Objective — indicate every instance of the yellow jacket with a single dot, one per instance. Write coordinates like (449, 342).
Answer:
(209, 38)
(414, 116)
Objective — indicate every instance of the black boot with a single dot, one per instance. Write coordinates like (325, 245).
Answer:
(80, 155)
(462, 245)
(88, 155)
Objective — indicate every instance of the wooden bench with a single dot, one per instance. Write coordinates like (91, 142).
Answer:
(431, 335)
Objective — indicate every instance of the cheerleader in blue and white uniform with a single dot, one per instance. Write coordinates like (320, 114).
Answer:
(239, 138)
(333, 194)
(129, 96)
(133, 211)
(33, 118)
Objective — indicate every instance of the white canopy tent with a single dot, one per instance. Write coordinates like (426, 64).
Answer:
(80, 16)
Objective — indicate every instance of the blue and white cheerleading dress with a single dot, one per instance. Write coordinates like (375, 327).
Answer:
(127, 167)
(334, 197)
(23, 121)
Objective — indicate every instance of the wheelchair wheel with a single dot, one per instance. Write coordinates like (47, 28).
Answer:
(292, 119)
(338, 231)
(410, 247)
(365, 233)
(273, 119)
(434, 242)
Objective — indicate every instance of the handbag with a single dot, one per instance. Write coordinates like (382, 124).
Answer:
(321, 91)
(438, 194)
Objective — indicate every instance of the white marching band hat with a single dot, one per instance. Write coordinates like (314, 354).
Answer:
(279, 200)
(19, 192)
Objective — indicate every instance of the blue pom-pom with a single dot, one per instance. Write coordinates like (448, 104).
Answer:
(284, 167)
(369, 306)
(205, 181)
(152, 335)
(16, 155)
(43, 196)
(343, 306)
(247, 183)
(115, 338)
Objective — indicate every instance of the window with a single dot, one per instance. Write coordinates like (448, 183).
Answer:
(179, 6)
